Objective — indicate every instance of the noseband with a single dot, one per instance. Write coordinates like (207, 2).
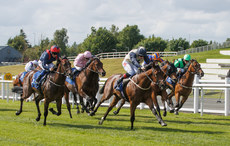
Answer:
(94, 70)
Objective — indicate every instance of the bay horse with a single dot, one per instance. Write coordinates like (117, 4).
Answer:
(138, 90)
(184, 86)
(170, 71)
(51, 90)
(17, 81)
(86, 84)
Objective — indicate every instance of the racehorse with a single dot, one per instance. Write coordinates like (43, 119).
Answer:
(52, 89)
(139, 89)
(184, 86)
(171, 79)
(86, 84)
(170, 71)
(17, 81)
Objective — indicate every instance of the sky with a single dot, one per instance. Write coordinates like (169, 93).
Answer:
(190, 19)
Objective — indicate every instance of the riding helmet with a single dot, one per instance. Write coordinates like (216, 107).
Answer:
(55, 49)
(141, 51)
(87, 54)
(187, 57)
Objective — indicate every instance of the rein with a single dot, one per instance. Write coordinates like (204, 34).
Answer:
(56, 84)
(191, 72)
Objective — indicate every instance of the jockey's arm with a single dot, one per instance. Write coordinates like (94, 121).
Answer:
(133, 58)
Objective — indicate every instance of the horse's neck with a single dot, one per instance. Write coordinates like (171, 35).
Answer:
(190, 77)
(142, 79)
(90, 75)
(58, 76)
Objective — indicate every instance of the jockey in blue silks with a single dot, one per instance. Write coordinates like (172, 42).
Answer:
(46, 59)
(131, 64)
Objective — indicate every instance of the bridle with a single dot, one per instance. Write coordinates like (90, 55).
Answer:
(97, 70)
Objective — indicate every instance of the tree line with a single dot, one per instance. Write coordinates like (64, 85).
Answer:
(101, 40)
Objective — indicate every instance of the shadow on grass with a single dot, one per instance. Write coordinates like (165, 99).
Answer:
(8, 110)
(181, 130)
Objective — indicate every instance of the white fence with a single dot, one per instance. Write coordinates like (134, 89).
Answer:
(122, 54)
(199, 85)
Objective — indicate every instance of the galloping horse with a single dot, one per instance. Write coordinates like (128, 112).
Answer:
(170, 71)
(17, 81)
(87, 83)
(184, 86)
(139, 89)
(171, 79)
(52, 89)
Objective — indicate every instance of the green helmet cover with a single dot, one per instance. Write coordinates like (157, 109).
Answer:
(187, 57)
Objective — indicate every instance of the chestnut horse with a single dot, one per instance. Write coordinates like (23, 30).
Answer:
(138, 90)
(52, 89)
(86, 84)
(17, 81)
(184, 86)
(170, 71)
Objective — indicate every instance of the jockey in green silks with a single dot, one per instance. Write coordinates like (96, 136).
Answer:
(182, 65)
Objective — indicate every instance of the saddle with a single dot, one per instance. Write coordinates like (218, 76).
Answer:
(22, 76)
(122, 86)
(35, 76)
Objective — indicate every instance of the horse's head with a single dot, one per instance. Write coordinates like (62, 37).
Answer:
(196, 68)
(97, 66)
(170, 70)
(65, 66)
(158, 76)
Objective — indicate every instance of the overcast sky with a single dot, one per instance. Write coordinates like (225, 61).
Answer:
(190, 19)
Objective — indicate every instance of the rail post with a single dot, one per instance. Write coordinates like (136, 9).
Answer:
(3, 88)
(196, 95)
(226, 106)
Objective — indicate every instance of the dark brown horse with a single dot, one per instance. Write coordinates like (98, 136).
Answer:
(86, 84)
(137, 90)
(51, 90)
(184, 86)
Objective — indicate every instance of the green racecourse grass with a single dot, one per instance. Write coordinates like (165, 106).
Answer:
(183, 129)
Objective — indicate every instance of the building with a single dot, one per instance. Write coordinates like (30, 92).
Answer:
(9, 54)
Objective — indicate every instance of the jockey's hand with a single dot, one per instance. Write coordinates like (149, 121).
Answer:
(51, 69)
(139, 70)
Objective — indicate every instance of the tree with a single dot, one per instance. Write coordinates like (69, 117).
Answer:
(73, 50)
(18, 42)
(129, 37)
(98, 41)
(153, 44)
(178, 45)
(61, 40)
(199, 43)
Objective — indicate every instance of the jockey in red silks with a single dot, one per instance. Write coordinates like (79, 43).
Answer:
(131, 64)
(81, 61)
(46, 60)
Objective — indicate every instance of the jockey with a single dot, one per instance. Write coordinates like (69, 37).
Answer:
(154, 57)
(31, 65)
(131, 64)
(46, 60)
(182, 65)
(81, 61)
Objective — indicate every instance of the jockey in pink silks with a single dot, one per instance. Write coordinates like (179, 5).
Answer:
(81, 61)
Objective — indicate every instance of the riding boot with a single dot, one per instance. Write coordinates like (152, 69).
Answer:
(117, 86)
(40, 76)
(74, 74)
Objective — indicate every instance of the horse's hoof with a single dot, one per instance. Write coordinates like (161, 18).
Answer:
(38, 119)
(115, 112)
(78, 111)
(91, 114)
(164, 114)
(51, 109)
(171, 111)
(44, 124)
(176, 113)
(100, 122)
(163, 124)
(17, 113)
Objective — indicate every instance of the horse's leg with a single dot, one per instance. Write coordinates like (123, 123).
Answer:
(170, 102)
(66, 96)
(23, 96)
(103, 99)
(94, 103)
(133, 107)
(112, 104)
(46, 106)
(37, 100)
(119, 108)
(181, 104)
(58, 105)
(82, 104)
(75, 100)
(164, 98)
(177, 96)
(21, 104)
(149, 102)
(154, 100)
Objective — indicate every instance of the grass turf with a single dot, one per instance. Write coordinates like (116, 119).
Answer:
(184, 129)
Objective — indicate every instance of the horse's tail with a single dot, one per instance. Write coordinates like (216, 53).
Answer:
(102, 89)
(17, 89)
